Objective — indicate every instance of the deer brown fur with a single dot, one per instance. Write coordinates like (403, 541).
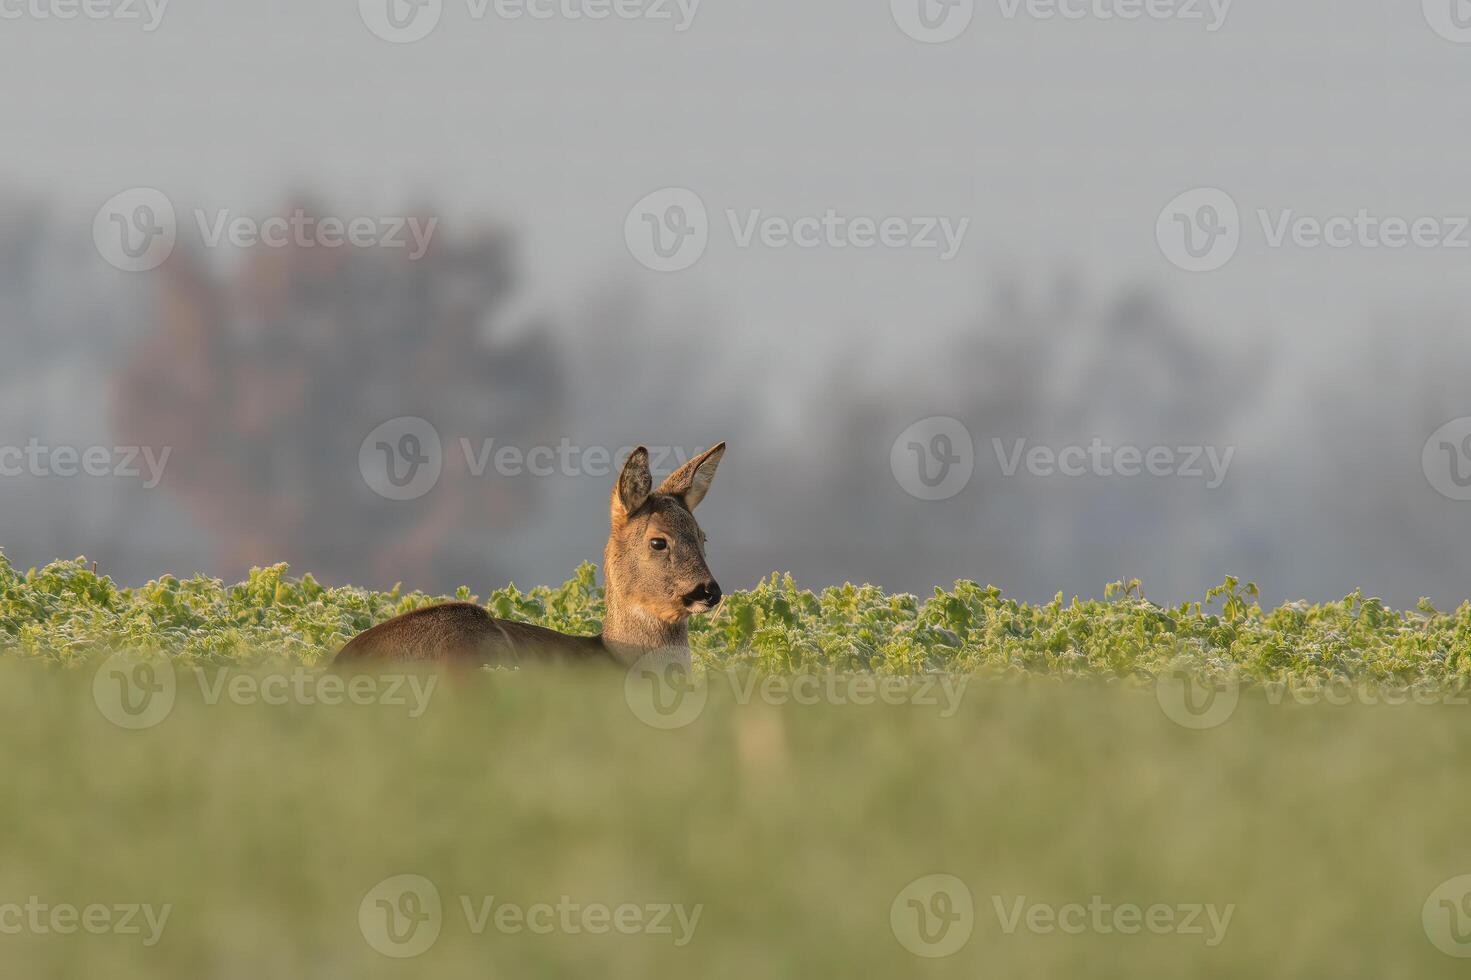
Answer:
(654, 572)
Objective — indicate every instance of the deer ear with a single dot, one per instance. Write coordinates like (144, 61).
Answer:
(692, 480)
(633, 485)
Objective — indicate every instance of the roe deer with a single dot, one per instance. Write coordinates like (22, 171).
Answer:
(654, 575)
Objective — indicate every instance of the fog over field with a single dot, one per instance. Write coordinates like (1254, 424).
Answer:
(1184, 294)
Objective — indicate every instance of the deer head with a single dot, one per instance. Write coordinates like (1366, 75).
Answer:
(654, 565)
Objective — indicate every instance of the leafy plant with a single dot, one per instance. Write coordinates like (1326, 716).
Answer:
(66, 613)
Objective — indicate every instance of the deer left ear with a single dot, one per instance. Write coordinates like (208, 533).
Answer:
(692, 480)
(632, 488)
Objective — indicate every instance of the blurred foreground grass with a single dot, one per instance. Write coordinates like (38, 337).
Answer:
(794, 827)
(1110, 788)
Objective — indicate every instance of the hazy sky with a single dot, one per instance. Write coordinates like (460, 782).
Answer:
(1038, 144)
(1060, 140)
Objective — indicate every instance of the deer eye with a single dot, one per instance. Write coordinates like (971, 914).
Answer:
(658, 544)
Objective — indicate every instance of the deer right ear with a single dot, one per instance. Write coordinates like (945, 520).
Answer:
(634, 484)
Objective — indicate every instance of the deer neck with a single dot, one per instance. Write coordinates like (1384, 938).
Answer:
(629, 632)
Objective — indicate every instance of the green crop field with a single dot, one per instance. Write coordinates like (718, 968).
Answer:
(855, 784)
(66, 613)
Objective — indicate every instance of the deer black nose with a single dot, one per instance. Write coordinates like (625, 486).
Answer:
(708, 593)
